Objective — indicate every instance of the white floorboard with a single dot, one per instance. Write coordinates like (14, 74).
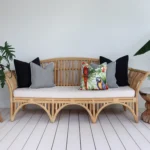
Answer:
(99, 136)
(37, 133)
(122, 133)
(9, 126)
(73, 130)
(136, 135)
(139, 126)
(60, 139)
(112, 137)
(87, 141)
(6, 142)
(48, 136)
(26, 132)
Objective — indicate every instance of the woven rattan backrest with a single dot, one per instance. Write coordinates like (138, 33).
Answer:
(67, 71)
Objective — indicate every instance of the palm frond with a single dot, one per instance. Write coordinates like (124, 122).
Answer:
(144, 49)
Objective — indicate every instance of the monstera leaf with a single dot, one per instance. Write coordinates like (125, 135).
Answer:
(144, 49)
(7, 54)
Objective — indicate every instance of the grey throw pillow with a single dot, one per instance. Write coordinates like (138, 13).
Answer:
(110, 74)
(42, 77)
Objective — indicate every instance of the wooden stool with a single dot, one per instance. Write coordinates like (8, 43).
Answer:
(145, 93)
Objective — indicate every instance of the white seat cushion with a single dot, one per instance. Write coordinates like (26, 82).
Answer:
(73, 92)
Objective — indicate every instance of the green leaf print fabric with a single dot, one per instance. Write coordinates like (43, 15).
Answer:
(93, 79)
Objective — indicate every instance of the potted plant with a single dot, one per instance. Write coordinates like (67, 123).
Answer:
(6, 55)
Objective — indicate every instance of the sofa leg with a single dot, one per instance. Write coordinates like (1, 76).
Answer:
(23, 108)
(124, 108)
(136, 112)
(93, 119)
(12, 110)
(136, 119)
(12, 118)
(53, 120)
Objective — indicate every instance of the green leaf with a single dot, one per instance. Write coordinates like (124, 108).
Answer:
(2, 78)
(144, 49)
(2, 84)
(2, 73)
(1, 58)
(2, 67)
(7, 53)
(1, 48)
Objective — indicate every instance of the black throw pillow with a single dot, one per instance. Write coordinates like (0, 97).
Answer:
(121, 69)
(23, 72)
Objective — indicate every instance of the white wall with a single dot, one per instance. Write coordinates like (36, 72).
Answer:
(89, 28)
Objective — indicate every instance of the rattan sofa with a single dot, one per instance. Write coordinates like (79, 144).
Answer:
(67, 73)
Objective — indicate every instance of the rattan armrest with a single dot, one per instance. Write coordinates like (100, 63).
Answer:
(11, 81)
(136, 78)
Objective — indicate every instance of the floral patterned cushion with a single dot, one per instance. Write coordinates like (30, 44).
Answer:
(93, 79)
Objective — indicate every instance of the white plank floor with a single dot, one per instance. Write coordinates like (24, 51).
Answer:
(73, 130)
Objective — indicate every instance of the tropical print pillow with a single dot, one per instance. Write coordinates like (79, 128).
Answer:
(93, 78)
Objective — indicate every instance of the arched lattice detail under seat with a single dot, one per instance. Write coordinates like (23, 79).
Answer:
(92, 108)
(21, 105)
(67, 72)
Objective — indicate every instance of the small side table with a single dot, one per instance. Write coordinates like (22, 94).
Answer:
(145, 93)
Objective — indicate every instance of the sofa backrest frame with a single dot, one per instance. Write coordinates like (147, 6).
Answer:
(67, 70)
